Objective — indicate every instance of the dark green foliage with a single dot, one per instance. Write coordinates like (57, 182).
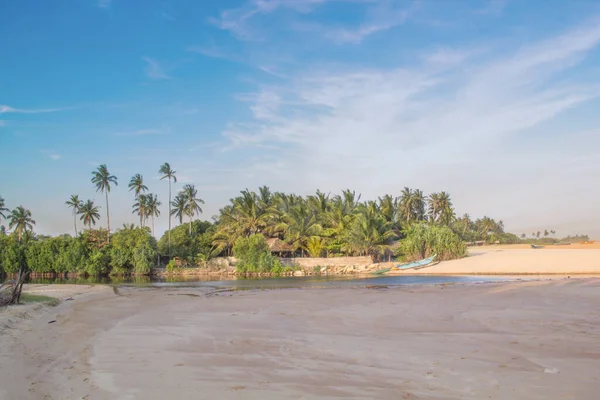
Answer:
(132, 251)
(12, 255)
(422, 241)
(254, 256)
(186, 246)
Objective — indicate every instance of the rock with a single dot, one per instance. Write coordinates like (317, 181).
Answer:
(298, 273)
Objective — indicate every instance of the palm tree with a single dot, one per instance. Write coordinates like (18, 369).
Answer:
(302, 225)
(128, 227)
(137, 185)
(140, 207)
(2, 209)
(153, 208)
(192, 204)
(178, 205)
(20, 219)
(102, 179)
(75, 204)
(89, 213)
(168, 173)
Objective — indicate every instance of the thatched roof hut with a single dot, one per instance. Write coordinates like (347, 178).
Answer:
(277, 245)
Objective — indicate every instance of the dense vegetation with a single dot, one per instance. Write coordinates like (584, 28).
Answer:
(407, 227)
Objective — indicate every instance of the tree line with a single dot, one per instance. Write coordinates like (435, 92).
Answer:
(407, 226)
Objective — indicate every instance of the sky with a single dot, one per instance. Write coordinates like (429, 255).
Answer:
(493, 101)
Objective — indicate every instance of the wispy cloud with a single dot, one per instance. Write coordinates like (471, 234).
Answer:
(4, 109)
(54, 156)
(154, 70)
(379, 129)
(2, 123)
(239, 20)
(380, 18)
(493, 7)
(104, 3)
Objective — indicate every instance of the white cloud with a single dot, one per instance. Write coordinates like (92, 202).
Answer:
(4, 109)
(458, 128)
(104, 3)
(154, 70)
(54, 156)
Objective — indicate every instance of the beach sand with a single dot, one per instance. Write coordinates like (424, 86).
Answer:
(508, 260)
(517, 340)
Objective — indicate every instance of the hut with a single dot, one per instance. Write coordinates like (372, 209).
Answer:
(279, 247)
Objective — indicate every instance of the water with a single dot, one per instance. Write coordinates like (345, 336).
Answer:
(275, 283)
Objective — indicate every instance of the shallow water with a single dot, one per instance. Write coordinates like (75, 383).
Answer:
(276, 283)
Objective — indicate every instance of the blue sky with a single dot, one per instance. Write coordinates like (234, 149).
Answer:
(495, 102)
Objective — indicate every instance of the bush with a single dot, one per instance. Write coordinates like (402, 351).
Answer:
(172, 266)
(422, 241)
(254, 256)
(132, 250)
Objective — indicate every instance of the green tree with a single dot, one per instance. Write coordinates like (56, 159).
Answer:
(3, 209)
(140, 207)
(302, 224)
(137, 185)
(89, 213)
(132, 251)
(153, 208)
(370, 233)
(167, 172)
(20, 220)
(192, 203)
(103, 179)
(75, 204)
(179, 207)
(253, 255)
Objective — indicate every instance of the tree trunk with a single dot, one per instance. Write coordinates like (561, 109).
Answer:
(75, 222)
(169, 235)
(190, 225)
(107, 219)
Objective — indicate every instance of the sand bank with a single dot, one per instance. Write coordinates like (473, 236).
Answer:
(522, 340)
(512, 261)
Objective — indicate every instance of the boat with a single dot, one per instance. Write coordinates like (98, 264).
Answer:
(533, 246)
(381, 271)
(417, 264)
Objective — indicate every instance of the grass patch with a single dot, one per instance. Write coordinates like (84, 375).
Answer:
(38, 298)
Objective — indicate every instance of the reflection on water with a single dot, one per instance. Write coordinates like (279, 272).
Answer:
(272, 283)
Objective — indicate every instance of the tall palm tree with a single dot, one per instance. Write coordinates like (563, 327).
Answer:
(103, 179)
(178, 207)
(2, 209)
(167, 172)
(192, 205)
(140, 207)
(137, 185)
(75, 204)
(153, 208)
(89, 213)
(20, 219)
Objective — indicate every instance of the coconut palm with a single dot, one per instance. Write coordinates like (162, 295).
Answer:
(75, 204)
(153, 210)
(192, 203)
(178, 206)
(369, 233)
(302, 225)
(140, 207)
(2, 209)
(103, 179)
(167, 172)
(89, 213)
(137, 185)
(20, 220)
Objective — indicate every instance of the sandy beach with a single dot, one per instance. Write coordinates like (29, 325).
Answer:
(518, 340)
(508, 260)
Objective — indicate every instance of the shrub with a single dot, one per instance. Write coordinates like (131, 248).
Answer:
(172, 266)
(253, 255)
(422, 241)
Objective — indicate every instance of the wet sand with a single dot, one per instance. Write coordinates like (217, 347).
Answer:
(519, 340)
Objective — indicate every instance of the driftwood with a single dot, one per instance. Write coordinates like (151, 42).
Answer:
(10, 292)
